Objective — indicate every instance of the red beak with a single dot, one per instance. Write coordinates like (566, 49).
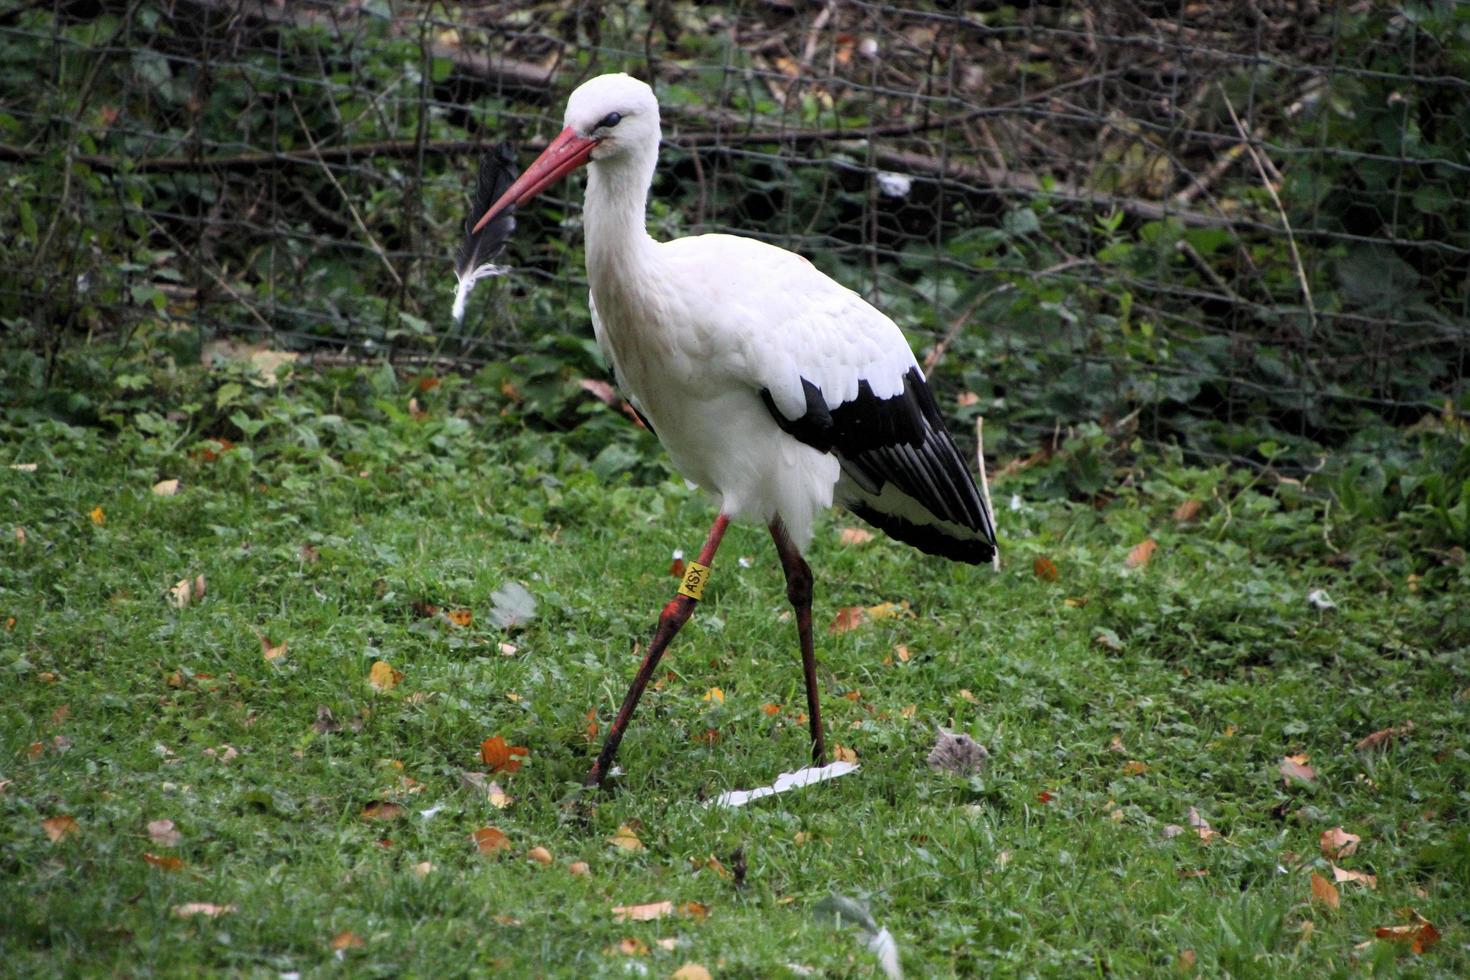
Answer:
(566, 153)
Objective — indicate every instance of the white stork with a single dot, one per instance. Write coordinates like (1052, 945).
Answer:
(772, 387)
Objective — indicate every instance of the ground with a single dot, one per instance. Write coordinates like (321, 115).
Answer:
(1172, 729)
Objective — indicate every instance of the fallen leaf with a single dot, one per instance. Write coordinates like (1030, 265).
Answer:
(630, 946)
(691, 971)
(902, 653)
(1187, 873)
(225, 753)
(460, 617)
(957, 753)
(422, 869)
(1201, 826)
(715, 695)
(1383, 737)
(206, 909)
(59, 715)
(1140, 554)
(1044, 797)
(966, 398)
(382, 810)
(347, 940)
(512, 605)
(490, 840)
(325, 724)
(600, 390)
(1133, 767)
(481, 783)
(626, 839)
(1324, 891)
(1362, 877)
(854, 536)
(695, 910)
(20, 535)
(163, 833)
(166, 488)
(771, 708)
(186, 592)
(1420, 933)
(99, 517)
(1295, 767)
(1338, 843)
(1045, 569)
(848, 618)
(165, 861)
(579, 868)
(540, 855)
(270, 652)
(382, 676)
(60, 828)
(642, 913)
(500, 756)
(1186, 961)
(1187, 511)
(843, 753)
(889, 610)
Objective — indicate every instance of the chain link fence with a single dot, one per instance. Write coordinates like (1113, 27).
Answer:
(1207, 223)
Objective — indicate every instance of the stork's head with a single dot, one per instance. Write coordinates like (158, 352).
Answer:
(608, 117)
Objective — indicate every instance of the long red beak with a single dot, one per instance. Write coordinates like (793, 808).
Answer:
(566, 153)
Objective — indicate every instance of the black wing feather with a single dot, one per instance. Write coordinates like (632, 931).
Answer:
(900, 440)
(497, 172)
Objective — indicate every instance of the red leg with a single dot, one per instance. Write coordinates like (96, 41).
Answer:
(799, 591)
(674, 616)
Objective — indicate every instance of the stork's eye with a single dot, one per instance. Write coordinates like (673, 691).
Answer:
(610, 120)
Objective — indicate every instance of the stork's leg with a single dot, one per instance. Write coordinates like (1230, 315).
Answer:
(674, 616)
(799, 591)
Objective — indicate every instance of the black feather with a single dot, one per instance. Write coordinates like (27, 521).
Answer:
(476, 256)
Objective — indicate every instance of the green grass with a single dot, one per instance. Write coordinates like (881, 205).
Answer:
(1207, 666)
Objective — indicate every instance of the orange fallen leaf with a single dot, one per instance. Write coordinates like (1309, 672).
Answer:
(902, 653)
(270, 652)
(690, 971)
(843, 753)
(1139, 555)
(591, 724)
(460, 617)
(630, 946)
(490, 840)
(1325, 892)
(98, 516)
(1295, 767)
(186, 592)
(771, 708)
(1419, 934)
(855, 536)
(166, 488)
(1133, 767)
(695, 910)
(382, 676)
(579, 868)
(848, 618)
(59, 828)
(165, 861)
(715, 695)
(1362, 877)
(1201, 826)
(347, 940)
(626, 839)
(501, 756)
(1338, 843)
(1383, 737)
(207, 909)
(1186, 961)
(642, 913)
(540, 855)
(1187, 511)
(1045, 569)
(1044, 797)
(382, 810)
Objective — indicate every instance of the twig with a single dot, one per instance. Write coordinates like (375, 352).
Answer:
(352, 208)
(1296, 256)
(985, 486)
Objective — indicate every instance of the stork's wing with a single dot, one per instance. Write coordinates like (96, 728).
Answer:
(838, 375)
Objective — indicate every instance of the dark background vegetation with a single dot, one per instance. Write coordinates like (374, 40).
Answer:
(1235, 228)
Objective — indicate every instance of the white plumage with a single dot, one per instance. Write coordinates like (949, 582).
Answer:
(771, 386)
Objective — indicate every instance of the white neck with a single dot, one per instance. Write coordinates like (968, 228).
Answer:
(614, 215)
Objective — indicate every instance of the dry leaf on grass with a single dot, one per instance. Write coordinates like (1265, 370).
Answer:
(1295, 767)
(98, 516)
(270, 652)
(1384, 737)
(490, 840)
(165, 488)
(1140, 554)
(855, 536)
(1420, 934)
(206, 909)
(482, 784)
(501, 756)
(626, 839)
(382, 676)
(382, 810)
(186, 592)
(691, 971)
(1340, 875)
(579, 868)
(163, 833)
(1187, 511)
(848, 618)
(347, 940)
(1045, 569)
(1134, 767)
(715, 695)
(540, 855)
(165, 861)
(1338, 843)
(460, 617)
(642, 913)
(60, 828)
(1325, 892)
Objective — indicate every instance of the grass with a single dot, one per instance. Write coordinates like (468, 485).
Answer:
(1113, 699)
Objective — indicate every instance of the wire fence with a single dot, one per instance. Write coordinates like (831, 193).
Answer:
(1216, 222)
